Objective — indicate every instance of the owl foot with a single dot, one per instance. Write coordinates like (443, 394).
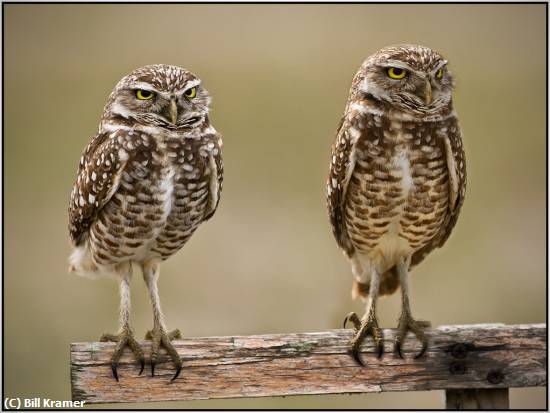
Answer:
(363, 328)
(123, 339)
(160, 337)
(407, 323)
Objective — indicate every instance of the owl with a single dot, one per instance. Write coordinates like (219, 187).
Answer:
(397, 179)
(150, 176)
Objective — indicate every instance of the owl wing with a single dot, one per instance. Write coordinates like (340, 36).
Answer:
(341, 168)
(215, 165)
(97, 180)
(456, 165)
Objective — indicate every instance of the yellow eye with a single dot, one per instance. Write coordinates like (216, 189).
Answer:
(396, 73)
(191, 93)
(142, 94)
(439, 74)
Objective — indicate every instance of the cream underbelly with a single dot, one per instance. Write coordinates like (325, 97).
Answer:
(388, 248)
(390, 219)
(139, 228)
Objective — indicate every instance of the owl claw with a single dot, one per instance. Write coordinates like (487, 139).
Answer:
(424, 348)
(178, 371)
(159, 337)
(407, 323)
(354, 319)
(368, 326)
(355, 354)
(124, 339)
(113, 368)
(398, 349)
(380, 351)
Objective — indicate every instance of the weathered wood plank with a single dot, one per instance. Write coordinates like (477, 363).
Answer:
(477, 399)
(459, 357)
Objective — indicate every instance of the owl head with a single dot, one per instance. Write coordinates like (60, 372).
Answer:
(159, 95)
(407, 78)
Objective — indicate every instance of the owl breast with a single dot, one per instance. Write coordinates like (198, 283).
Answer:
(398, 192)
(161, 199)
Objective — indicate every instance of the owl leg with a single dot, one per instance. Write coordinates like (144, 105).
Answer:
(368, 324)
(406, 322)
(125, 336)
(158, 335)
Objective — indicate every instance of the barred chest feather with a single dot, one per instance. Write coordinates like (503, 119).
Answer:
(398, 192)
(161, 198)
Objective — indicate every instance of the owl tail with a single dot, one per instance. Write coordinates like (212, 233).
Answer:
(81, 262)
(388, 285)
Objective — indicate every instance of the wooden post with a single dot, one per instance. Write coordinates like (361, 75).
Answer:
(477, 399)
(463, 360)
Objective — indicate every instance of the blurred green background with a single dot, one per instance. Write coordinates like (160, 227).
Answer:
(279, 76)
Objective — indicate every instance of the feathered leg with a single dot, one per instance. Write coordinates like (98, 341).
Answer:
(158, 335)
(125, 336)
(406, 322)
(368, 324)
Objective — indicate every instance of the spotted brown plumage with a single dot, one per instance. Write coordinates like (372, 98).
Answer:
(146, 181)
(397, 176)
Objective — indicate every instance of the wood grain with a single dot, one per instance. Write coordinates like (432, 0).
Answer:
(459, 357)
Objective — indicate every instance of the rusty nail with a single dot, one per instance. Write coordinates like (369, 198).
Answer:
(459, 351)
(495, 377)
(457, 367)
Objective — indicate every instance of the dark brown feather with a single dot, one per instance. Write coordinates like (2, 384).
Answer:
(340, 162)
(95, 178)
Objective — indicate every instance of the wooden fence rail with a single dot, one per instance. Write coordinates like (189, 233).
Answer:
(474, 364)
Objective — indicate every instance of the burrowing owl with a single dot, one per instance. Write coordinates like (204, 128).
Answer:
(397, 178)
(145, 182)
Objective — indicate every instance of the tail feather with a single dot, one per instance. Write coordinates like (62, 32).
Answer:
(82, 263)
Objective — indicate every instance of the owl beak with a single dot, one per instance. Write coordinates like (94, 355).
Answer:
(428, 92)
(173, 111)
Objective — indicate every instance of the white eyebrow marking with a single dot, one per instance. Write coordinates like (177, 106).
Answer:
(401, 65)
(142, 85)
(396, 63)
(166, 95)
(189, 85)
(439, 66)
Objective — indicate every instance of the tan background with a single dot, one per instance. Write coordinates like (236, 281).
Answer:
(267, 262)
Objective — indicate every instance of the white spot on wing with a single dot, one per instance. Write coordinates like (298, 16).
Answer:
(355, 134)
(453, 179)
(213, 184)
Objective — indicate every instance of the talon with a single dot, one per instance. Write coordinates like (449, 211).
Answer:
(354, 319)
(178, 370)
(369, 325)
(161, 338)
(424, 348)
(113, 368)
(380, 351)
(124, 339)
(355, 354)
(398, 349)
(407, 323)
